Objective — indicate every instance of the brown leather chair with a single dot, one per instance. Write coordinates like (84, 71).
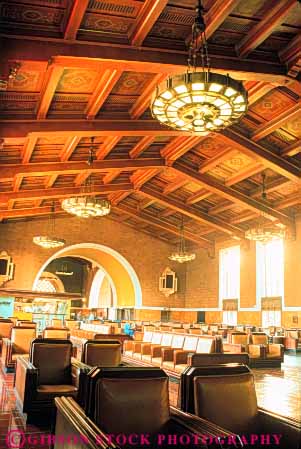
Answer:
(292, 341)
(6, 326)
(101, 353)
(130, 401)
(56, 332)
(22, 323)
(226, 395)
(72, 324)
(17, 345)
(273, 352)
(49, 372)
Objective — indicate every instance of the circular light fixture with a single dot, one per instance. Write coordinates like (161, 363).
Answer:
(48, 242)
(264, 235)
(86, 206)
(182, 257)
(199, 102)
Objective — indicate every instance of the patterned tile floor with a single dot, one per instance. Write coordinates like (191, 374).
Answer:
(278, 390)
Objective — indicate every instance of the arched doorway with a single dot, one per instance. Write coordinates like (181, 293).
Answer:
(126, 287)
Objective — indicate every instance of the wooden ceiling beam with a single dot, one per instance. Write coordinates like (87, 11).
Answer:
(28, 148)
(52, 78)
(263, 29)
(142, 176)
(107, 146)
(142, 103)
(145, 204)
(84, 128)
(263, 155)
(200, 195)
(69, 148)
(146, 19)
(209, 183)
(100, 56)
(103, 89)
(50, 181)
(165, 226)
(117, 197)
(219, 158)
(9, 171)
(191, 212)
(178, 147)
(82, 177)
(63, 192)
(167, 213)
(292, 150)
(111, 176)
(76, 16)
(216, 15)
(258, 90)
(250, 170)
(291, 56)
(28, 212)
(17, 183)
(173, 186)
(271, 125)
(141, 146)
(221, 207)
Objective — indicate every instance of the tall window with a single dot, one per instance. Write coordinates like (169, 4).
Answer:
(229, 280)
(270, 278)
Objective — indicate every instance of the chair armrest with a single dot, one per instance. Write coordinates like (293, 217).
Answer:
(7, 349)
(167, 354)
(233, 347)
(288, 429)
(137, 346)
(256, 350)
(25, 382)
(77, 369)
(180, 357)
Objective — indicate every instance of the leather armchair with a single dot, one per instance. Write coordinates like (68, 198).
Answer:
(155, 355)
(180, 356)
(226, 395)
(6, 326)
(101, 353)
(31, 324)
(17, 345)
(271, 351)
(56, 332)
(48, 373)
(132, 346)
(292, 340)
(139, 398)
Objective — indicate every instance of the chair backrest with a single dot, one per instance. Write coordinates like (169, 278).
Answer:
(102, 353)
(179, 330)
(206, 345)
(257, 338)
(31, 324)
(5, 328)
(190, 343)
(156, 338)
(195, 331)
(72, 324)
(147, 337)
(13, 319)
(228, 399)
(178, 341)
(166, 339)
(138, 398)
(55, 322)
(56, 332)
(239, 339)
(53, 360)
(21, 338)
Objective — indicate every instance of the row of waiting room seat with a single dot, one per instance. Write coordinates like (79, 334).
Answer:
(175, 351)
(94, 400)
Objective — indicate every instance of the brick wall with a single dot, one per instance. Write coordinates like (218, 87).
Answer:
(147, 255)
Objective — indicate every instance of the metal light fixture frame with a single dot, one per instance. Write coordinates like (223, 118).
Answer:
(182, 255)
(50, 240)
(199, 101)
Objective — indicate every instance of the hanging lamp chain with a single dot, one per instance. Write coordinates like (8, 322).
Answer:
(198, 35)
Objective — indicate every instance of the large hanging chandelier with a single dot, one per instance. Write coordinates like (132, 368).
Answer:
(181, 255)
(87, 205)
(262, 233)
(199, 101)
(49, 240)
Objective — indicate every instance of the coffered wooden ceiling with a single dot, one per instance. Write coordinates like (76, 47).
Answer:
(88, 68)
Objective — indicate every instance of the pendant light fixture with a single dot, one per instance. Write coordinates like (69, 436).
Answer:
(87, 205)
(49, 240)
(261, 232)
(181, 255)
(199, 101)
